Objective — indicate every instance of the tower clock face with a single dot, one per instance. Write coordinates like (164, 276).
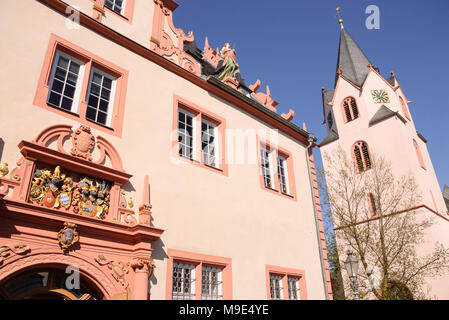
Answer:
(380, 96)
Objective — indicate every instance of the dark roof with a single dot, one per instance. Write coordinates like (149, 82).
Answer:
(351, 60)
(391, 81)
(331, 137)
(384, 113)
(328, 96)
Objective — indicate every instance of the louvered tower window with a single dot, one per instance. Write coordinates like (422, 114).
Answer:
(350, 109)
(361, 156)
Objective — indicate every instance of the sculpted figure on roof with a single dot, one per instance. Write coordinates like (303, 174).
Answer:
(229, 62)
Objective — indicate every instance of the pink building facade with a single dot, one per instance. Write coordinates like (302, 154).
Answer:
(368, 114)
(136, 166)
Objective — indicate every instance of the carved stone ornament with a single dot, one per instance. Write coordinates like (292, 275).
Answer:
(83, 142)
(119, 269)
(19, 248)
(68, 236)
(56, 189)
(3, 169)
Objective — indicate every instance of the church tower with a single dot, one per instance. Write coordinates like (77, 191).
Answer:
(365, 114)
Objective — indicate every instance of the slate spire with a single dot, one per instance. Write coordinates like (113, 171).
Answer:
(351, 60)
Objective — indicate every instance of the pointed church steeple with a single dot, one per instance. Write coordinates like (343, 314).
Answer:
(351, 60)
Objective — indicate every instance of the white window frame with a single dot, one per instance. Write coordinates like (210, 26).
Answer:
(79, 81)
(215, 143)
(122, 11)
(191, 268)
(282, 162)
(265, 150)
(112, 96)
(194, 142)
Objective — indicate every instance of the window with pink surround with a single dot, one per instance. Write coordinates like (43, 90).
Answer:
(419, 154)
(350, 110)
(198, 136)
(361, 156)
(276, 173)
(82, 86)
(194, 276)
(123, 9)
(285, 283)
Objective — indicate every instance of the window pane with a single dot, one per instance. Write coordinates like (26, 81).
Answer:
(104, 105)
(54, 99)
(95, 89)
(93, 101)
(63, 62)
(57, 86)
(71, 78)
(183, 282)
(66, 103)
(60, 74)
(69, 91)
(91, 113)
(101, 117)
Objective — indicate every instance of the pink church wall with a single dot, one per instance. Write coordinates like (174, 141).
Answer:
(393, 139)
(190, 203)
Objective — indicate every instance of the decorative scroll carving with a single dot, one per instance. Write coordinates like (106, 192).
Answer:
(19, 248)
(119, 269)
(83, 142)
(143, 265)
(163, 44)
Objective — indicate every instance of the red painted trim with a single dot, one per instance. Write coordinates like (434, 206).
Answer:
(40, 99)
(172, 67)
(197, 259)
(285, 273)
(320, 223)
(200, 113)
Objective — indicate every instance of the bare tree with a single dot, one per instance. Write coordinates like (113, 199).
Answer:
(377, 217)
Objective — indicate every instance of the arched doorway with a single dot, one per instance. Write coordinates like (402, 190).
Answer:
(48, 284)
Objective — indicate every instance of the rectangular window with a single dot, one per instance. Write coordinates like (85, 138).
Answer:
(211, 285)
(186, 134)
(209, 143)
(283, 174)
(183, 281)
(267, 168)
(65, 82)
(293, 288)
(100, 97)
(285, 283)
(276, 290)
(117, 6)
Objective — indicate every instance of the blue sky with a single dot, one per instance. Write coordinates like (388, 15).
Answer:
(291, 45)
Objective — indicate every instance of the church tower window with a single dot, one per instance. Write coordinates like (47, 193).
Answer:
(350, 109)
(419, 154)
(361, 156)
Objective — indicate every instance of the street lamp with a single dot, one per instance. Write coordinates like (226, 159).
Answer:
(352, 266)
